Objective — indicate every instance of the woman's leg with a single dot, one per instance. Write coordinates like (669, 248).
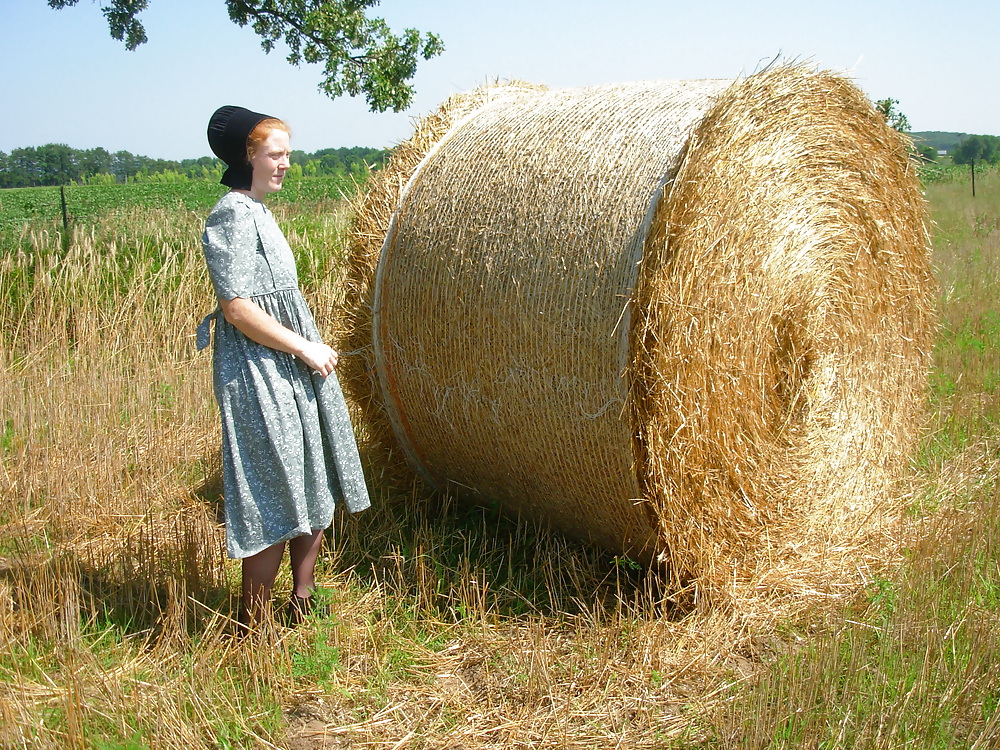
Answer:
(303, 551)
(259, 572)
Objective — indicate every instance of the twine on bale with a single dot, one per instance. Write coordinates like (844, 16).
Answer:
(500, 315)
(688, 321)
(372, 211)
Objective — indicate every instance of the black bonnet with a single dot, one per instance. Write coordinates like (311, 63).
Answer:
(228, 131)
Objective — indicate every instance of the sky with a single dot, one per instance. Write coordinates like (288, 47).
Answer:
(65, 80)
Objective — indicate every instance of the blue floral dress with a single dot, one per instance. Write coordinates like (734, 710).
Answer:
(288, 448)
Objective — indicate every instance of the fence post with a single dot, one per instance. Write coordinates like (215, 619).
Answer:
(62, 195)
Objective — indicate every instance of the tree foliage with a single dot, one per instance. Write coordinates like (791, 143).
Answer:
(360, 54)
(59, 164)
(896, 119)
(978, 149)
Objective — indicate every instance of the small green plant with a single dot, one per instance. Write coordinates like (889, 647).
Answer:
(317, 661)
(883, 598)
(135, 742)
(8, 438)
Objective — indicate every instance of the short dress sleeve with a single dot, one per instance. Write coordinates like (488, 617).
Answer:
(230, 245)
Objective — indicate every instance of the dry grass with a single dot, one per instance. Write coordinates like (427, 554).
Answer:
(109, 511)
(453, 626)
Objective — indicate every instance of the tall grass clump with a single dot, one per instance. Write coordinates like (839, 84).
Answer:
(114, 585)
(967, 375)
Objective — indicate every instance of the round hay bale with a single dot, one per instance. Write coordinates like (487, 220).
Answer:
(687, 320)
(372, 211)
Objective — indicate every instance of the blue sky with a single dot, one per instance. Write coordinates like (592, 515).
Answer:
(65, 80)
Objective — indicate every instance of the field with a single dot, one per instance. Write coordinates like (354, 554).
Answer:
(452, 627)
(88, 203)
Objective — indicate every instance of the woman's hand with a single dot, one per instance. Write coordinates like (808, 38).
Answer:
(319, 357)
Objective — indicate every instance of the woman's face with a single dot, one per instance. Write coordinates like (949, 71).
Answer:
(270, 164)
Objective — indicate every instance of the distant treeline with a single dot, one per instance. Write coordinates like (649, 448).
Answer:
(962, 147)
(58, 164)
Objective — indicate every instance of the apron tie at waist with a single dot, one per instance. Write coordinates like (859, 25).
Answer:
(204, 336)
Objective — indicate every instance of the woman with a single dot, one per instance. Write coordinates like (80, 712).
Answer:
(288, 449)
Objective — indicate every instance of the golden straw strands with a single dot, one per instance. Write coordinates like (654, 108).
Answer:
(684, 320)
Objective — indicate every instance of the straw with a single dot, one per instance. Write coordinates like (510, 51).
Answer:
(687, 321)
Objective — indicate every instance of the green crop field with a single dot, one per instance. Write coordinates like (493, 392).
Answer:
(452, 627)
(85, 203)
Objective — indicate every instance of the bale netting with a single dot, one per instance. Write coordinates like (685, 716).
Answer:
(686, 321)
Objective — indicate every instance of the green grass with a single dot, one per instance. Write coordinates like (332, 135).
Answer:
(915, 668)
(85, 203)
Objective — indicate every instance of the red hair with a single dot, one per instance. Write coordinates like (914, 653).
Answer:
(261, 132)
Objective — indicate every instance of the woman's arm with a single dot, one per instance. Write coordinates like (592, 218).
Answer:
(257, 325)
